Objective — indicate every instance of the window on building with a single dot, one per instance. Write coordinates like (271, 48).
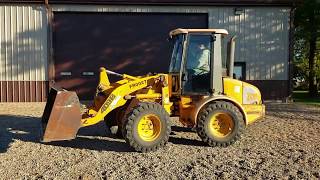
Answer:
(239, 71)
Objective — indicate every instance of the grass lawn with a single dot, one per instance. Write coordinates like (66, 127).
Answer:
(302, 97)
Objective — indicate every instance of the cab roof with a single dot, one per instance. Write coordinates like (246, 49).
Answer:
(186, 31)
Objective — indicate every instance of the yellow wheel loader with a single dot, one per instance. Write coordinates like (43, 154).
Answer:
(198, 89)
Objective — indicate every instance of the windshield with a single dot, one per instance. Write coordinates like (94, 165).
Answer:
(176, 57)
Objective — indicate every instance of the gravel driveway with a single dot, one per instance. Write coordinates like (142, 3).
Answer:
(286, 144)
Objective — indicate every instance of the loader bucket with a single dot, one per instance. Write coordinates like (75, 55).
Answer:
(61, 117)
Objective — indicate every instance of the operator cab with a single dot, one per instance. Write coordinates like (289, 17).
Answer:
(196, 62)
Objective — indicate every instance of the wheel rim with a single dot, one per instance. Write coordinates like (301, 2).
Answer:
(221, 125)
(149, 127)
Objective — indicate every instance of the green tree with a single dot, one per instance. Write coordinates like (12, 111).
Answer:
(307, 37)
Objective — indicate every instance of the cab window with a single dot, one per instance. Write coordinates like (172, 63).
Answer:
(197, 68)
(176, 57)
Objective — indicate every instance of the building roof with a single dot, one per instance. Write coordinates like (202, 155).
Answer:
(163, 2)
(185, 31)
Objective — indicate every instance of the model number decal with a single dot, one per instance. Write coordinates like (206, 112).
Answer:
(108, 102)
(138, 84)
(114, 103)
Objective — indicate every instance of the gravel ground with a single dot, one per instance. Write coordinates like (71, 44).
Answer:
(286, 144)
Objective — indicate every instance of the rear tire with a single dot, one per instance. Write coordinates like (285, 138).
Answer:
(220, 124)
(147, 127)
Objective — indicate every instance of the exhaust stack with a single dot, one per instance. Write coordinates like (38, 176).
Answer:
(230, 56)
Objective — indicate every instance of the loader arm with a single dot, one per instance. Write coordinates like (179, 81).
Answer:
(117, 98)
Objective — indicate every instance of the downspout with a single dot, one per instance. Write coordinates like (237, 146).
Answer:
(49, 44)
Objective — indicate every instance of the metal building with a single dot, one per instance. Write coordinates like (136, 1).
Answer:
(66, 41)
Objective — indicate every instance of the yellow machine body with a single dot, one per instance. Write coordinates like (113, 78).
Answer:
(149, 101)
(157, 88)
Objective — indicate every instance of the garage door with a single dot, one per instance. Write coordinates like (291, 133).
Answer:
(132, 43)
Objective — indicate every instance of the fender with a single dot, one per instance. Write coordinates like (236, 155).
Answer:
(209, 99)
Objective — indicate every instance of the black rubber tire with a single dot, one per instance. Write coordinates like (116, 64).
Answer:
(205, 115)
(111, 118)
(113, 121)
(130, 132)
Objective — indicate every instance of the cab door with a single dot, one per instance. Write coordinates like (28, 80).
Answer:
(196, 76)
(176, 63)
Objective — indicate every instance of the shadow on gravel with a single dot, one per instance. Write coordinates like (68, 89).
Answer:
(24, 128)
(291, 111)
(184, 141)
(85, 140)
(189, 142)
(27, 129)
(180, 129)
(93, 144)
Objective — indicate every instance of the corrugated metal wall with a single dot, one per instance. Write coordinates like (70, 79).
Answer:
(262, 39)
(263, 42)
(23, 56)
(263, 33)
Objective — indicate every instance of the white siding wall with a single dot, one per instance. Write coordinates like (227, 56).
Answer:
(263, 33)
(23, 43)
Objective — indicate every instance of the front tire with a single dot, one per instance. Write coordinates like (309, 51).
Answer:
(220, 124)
(147, 127)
